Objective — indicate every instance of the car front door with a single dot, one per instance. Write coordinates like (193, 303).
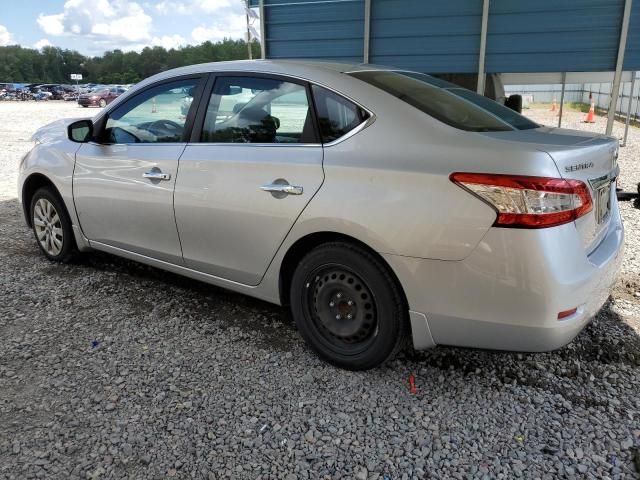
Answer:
(123, 182)
(253, 164)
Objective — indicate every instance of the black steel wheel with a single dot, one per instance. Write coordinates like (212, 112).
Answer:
(348, 307)
(341, 307)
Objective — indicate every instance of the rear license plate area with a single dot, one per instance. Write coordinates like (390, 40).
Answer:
(603, 202)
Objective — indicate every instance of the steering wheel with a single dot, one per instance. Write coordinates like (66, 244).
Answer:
(120, 135)
(165, 127)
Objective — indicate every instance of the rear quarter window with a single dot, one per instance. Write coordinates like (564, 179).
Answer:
(337, 116)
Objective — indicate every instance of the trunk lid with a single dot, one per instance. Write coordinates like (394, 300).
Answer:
(585, 156)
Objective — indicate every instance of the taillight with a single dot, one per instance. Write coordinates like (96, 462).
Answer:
(528, 202)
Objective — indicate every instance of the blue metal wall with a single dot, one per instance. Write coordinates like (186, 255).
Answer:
(433, 36)
(553, 35)
(632, 53)
(315, 29)
(437, 36)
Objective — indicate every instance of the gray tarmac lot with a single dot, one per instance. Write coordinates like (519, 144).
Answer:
(110, 369)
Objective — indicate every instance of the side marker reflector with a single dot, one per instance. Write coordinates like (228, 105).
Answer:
(567, 313)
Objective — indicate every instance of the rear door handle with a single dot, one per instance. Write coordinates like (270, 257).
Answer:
(282, 188)
(156, 175)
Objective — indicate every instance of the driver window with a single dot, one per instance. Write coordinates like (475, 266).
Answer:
(257, 110)
(157, 115)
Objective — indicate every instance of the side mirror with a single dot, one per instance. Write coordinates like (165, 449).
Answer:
(80, 131)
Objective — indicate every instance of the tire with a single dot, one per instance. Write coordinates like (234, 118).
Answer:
(103, 103)
(52, 226)
(348, 307)
(84, 106)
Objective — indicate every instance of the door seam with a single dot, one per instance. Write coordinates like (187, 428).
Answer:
(173, 203)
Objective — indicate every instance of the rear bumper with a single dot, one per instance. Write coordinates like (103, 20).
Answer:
(507, 294)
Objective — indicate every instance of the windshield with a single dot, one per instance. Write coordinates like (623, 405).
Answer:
(446, 102)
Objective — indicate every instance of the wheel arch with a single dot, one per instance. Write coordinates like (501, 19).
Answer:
(305, 244)
(30, 186)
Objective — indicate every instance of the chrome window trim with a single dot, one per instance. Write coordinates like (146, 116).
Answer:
(145, 144)
(352, 132)
(248, 144)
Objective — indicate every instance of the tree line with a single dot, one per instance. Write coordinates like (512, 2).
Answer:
(55, 65)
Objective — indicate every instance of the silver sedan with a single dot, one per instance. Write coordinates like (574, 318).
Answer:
(376, 204)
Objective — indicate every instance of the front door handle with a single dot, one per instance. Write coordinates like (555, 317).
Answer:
(282, 188)
(156, 175)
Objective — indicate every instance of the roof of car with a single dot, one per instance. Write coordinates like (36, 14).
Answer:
(268, 65)
(300, 68)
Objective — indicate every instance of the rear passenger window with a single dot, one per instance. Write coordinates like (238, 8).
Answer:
(257, 110)
(337, 116)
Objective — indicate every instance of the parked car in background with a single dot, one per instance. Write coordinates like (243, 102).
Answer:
(39, 95)
(55, 90)
(100, 98)
(376, 204)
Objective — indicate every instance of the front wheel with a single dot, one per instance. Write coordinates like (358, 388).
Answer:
(103, 103)
(348, 307)
(52, 226)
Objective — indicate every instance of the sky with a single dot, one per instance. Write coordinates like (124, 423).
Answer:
(94, 26)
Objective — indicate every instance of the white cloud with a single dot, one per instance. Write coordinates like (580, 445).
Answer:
(231, 26)
(189, 7)
(51, 24)
(108, 24)
(171, 8)
(211, 6)
(5, 36)
(169, 41)
(40, 44)
(100, 25)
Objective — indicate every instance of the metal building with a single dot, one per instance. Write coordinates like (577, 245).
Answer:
(435, 36)
(526, 41)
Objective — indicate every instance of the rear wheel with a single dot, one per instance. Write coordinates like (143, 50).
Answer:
(52, 226)
(348, 307)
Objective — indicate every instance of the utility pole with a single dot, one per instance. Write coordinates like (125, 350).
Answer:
(252, 33)
(246, 10)
(615, 88)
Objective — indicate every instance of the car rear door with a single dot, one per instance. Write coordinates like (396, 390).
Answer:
(123, 182)
(253, 164)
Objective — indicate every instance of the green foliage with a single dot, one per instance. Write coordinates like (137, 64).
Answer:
(55, 65)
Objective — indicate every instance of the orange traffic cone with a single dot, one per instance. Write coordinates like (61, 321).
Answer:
(154, 109)
(554, 105)
(590, 116)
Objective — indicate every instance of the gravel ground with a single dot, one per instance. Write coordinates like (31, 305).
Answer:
(109, 369)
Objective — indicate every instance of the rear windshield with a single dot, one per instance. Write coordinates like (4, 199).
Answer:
(446, 102)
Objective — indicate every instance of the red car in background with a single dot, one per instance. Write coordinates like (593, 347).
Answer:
(100, 98)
